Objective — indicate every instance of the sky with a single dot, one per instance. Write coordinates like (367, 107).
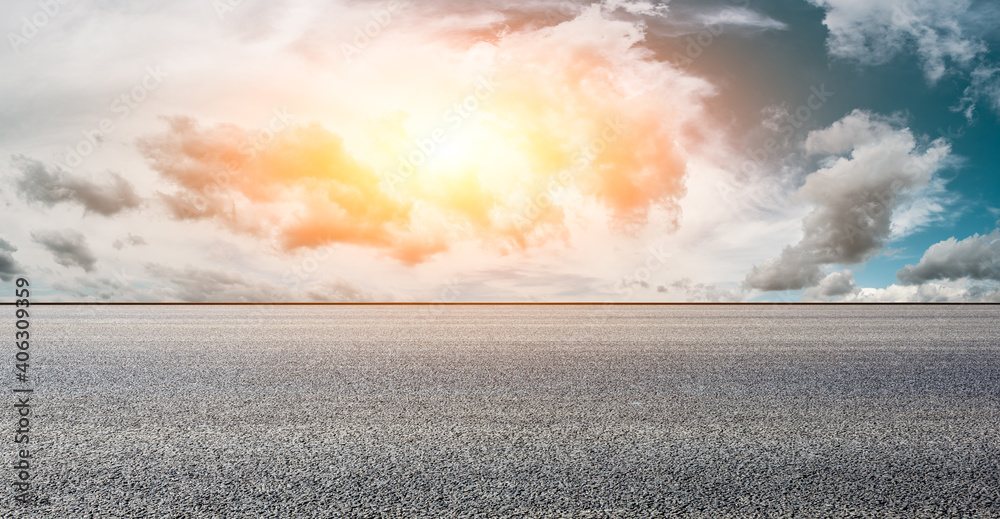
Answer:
(542, 150)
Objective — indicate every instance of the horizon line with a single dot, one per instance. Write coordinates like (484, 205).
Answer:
(510, 303)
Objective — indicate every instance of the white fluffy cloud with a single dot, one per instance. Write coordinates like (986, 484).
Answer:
(976, 257)
(854, 197)
(926, 293)
(874, 31)
(641, 7)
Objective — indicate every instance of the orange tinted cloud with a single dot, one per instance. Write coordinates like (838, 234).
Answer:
(303, 189)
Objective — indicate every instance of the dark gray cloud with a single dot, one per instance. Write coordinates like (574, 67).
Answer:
(8, 265)
(198, 285)
(833, 285)
(131, 240)
(50, 187)
(976, 257)
(68, 247)
(796, 268)
(700, 292)
(102, 288)
(341, 291)
(873, 169)
(202, 285)
(983, 294)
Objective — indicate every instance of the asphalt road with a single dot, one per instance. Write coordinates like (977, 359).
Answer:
(501, 411)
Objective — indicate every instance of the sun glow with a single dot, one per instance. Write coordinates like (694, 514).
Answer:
(456, 141)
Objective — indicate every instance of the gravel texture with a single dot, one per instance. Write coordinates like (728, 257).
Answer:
(514, 411)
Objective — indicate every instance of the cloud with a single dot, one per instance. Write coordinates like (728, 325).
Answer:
(607, 95)
(131, 240)
(985, 87)
(833, 285)
(713, 20)
(976, 257)
(700, 292)
(199, 285)
(68, 247)
(303, 190)
(37, 184)
(568, 112)
(795, 269)
(741, 17)
(9, 267)
(874, 32)
(104, 288)
(926, 293)
(935, 206)
(854, 197)
(640, 7)
(341, 291)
